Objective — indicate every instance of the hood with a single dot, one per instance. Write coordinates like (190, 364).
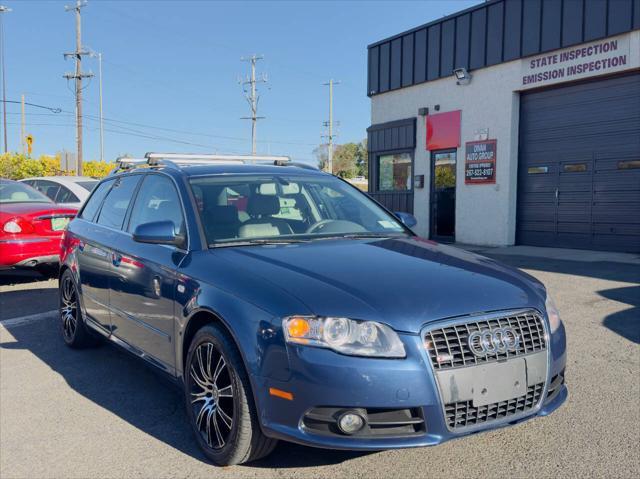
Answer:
(405, 282)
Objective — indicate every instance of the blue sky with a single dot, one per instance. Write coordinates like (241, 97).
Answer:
(171, 68)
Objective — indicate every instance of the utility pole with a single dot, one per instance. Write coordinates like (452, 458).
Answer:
(78, 76)
(252, 97)
(101, 116)
(23, 128)
(3, 9)
(330, 83)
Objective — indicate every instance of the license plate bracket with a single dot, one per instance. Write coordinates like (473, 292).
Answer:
(495, 382)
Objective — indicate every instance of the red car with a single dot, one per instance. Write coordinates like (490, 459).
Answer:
(31, 226)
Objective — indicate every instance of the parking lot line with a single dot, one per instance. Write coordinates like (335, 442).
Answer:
(22, 320)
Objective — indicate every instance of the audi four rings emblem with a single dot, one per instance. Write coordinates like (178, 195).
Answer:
(492, 341)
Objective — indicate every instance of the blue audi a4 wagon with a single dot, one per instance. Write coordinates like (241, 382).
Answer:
(288, 305)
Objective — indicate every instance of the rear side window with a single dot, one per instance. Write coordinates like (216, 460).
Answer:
(115, 206)
(49, 188)
(92, 205)
(65, 195)
(157, 201)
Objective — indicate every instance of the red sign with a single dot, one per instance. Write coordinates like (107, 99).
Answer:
(443, 130)
(480, 162)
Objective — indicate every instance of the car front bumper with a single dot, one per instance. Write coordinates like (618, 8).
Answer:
(322, 378)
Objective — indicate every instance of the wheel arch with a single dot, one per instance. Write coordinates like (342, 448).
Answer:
(198, 319)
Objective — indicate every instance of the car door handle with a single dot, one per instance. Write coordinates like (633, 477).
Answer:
(116, 259)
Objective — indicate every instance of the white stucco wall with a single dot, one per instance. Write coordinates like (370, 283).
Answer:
(485, 214)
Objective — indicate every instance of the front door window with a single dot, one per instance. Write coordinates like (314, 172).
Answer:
(443, 195)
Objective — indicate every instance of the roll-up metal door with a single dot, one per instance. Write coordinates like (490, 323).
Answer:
(579, 166)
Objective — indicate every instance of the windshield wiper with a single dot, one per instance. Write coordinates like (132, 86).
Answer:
(359, 236)
(253, 242)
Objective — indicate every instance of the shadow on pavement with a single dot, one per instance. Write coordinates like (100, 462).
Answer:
(25, 302)
(128, 388)
(21, 276)
(625, 323)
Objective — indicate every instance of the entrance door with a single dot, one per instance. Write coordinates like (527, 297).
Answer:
(443, 195)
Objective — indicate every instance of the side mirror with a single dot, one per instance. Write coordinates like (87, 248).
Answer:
(407, 219)
(158, 232)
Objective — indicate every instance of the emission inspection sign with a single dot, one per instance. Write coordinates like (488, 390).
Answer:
(480, 162)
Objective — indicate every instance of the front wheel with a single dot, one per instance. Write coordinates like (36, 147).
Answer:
(219, 402)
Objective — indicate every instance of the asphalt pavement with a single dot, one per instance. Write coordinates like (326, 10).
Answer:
(101, 413)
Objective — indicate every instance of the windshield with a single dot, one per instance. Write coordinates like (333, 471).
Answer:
(255, 209)
(88, 185)
(14, 192)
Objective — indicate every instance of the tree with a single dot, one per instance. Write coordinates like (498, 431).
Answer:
(17, 166)
(362, 159)
(97, 169)
(344, 160)
(321, 153)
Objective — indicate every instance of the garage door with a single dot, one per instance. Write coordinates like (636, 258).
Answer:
(579, 166)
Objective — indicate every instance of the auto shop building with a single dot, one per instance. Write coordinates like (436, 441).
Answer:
(513, 122)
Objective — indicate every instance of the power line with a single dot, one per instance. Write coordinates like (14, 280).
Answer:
(253, 97)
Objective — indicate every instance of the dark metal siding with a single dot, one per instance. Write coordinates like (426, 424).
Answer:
(396, 63)
(448, 46)
(494, 33)
(572, 15)
(491, 33)
(407, 60)
(463, 24)
(420, 57)
(551, 24)
(433, 53)
(384, 67)
(392, 137)
(595, 125)
(478, 39)
(595, 19)
(531, 17)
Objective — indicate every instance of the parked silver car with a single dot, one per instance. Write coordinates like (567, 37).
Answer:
(65, 190)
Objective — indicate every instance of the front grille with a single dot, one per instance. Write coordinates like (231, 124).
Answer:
(462, 414)
(448, 346)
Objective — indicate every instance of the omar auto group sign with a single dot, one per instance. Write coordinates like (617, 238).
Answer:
(582, 61)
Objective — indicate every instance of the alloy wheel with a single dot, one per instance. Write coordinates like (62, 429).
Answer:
(68, 308)
(211, 395)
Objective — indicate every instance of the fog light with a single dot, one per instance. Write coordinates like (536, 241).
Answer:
(350, 422)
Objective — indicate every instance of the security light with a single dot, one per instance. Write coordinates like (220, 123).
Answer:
(462, 75)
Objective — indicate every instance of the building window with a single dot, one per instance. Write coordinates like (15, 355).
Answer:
(394, 172)
(536, 170)
(575, 167)
(628, 164)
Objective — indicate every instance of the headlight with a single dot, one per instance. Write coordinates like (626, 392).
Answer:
(552, 313)
(347, 336)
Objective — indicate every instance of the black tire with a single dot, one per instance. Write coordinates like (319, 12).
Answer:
(74, 332)
(209, 406)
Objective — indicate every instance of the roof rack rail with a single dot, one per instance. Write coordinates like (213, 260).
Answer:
(177, 160)
(154, 159)
(124, 163)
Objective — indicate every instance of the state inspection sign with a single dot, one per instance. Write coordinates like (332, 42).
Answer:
(480, 162)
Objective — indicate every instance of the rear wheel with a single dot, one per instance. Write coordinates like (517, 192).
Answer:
(219, 401)
(74, 331)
